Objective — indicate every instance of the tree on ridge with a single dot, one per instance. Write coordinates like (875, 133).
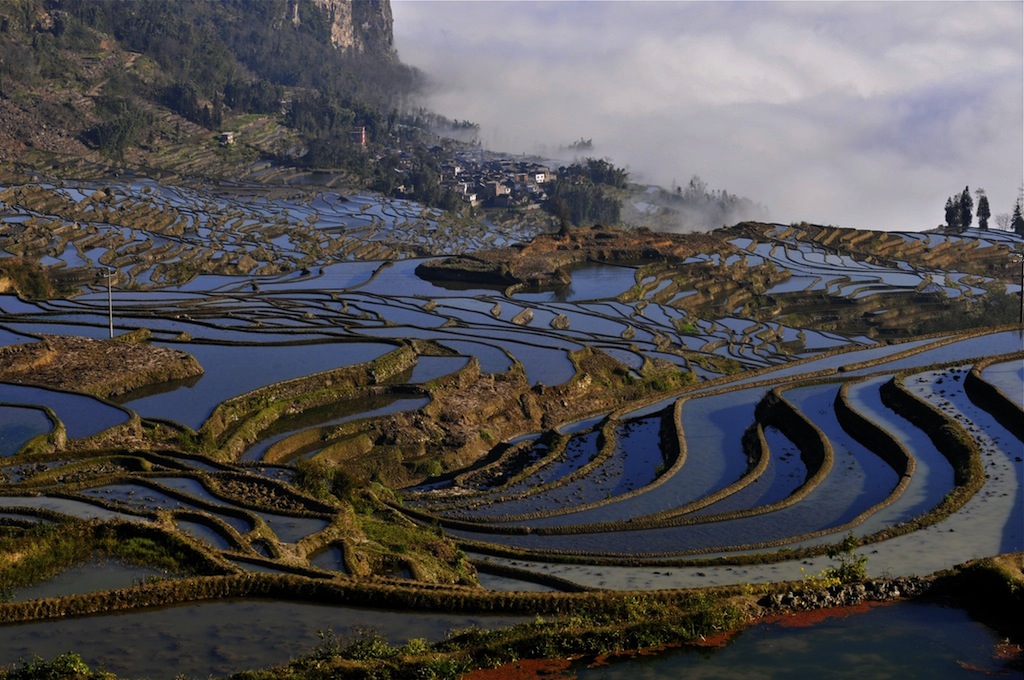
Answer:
(983, 210)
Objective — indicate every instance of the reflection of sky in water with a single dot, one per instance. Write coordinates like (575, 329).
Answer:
(783, 475)
(67, 506)
(18, 425)
(9, 337)
(591, 281)
(933, 474)
(1000, 451)
(712, 427)
(139, 497)
(82, 416)
(396, 295)
(1008, 377)
(231, 370)
(87, 578)
(900, 640)
(859, 478)
(10, 304)
(218, 638)
(204, 533)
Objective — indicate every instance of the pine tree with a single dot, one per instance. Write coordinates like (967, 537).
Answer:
(966, 205)
(952, 214)
(983, 210)
(1017, 221)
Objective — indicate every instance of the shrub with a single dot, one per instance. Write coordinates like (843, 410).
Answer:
(67, 665)
(850, 567)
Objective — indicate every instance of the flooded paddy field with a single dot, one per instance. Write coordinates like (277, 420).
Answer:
(900, 639)
(217, 638)
(647, 425)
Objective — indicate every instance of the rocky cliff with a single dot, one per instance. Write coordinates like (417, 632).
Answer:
(358, 25)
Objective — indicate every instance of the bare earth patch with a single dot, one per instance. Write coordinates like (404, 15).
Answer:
(102, 368)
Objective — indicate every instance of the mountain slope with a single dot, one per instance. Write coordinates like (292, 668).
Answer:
(139, 83)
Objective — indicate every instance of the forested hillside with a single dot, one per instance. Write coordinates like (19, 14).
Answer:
(133, 83)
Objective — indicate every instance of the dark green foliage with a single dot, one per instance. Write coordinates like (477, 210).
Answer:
(984, 212)
(367, 645)
(123, 126)
(966, 209)
(424, 183)
(952, 213)
(990, 590)
(258, 96)
(31, 280)
(183, 98)
(598, 171)
(63, 666)
(1017, 221)
(849, 567)
(241, 55)
(146, 551)
(960, 211)
(322, 480)
(995, 308)
(582, 194)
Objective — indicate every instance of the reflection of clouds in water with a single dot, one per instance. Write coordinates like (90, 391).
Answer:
(782, 645)
(861, 659)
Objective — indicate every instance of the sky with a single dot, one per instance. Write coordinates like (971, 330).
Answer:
(857, 114)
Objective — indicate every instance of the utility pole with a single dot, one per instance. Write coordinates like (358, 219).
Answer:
(110, 300)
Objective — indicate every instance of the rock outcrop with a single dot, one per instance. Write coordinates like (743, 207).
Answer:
(363, 26)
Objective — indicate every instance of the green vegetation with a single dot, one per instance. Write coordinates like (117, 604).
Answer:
(197, 67)
(995, 308)
(959, 211)
(612, 624)
(322, 480)
(394, 545)
(123, 123)
(584, 193)
(212, 64)
(849, 567)
(61, 667)
(991, 589)
(34, 554)
(27, 277)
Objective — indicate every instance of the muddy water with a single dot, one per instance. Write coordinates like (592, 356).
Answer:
(216, 638)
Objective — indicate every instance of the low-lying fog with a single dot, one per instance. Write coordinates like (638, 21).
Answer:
(857, 114)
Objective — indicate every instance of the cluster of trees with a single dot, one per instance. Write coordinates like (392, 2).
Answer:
(959, 209)
(218, 57)
(580, 145)
(596, 170)
(584, 193)
(705, 208)
(959, 215)
(121, 128)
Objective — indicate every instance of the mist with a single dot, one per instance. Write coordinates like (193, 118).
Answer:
(856, 114)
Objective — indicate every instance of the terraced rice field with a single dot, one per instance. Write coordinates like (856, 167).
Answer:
(783, 437)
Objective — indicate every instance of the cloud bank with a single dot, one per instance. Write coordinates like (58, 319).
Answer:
(859, 114)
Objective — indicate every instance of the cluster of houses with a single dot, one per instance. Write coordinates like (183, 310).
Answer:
(497, 183)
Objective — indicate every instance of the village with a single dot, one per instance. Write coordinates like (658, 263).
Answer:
(497, 182)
